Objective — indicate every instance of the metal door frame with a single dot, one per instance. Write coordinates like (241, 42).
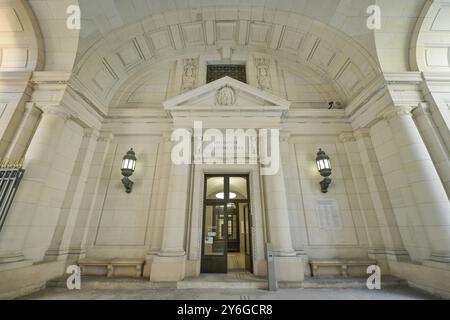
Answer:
(225, 202)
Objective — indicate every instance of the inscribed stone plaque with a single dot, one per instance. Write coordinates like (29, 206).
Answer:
(328, 214)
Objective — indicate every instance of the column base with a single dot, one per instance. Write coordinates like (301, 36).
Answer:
(168, 269)
(439, 260)
(13, 260)
(76, 254)
(56, 254)
(289, 269)
(149, 257)
(399, 255)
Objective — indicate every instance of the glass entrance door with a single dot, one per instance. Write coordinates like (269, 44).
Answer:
(214, 257)
(226, 225)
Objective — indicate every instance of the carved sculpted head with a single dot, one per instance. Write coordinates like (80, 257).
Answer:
(226, 96)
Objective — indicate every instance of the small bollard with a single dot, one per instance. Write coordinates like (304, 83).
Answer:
(273, 285)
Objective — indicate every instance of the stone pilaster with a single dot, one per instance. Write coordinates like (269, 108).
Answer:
(159, 201)
(392, 241)
(87, 217)
(363, 203)
(169, 264)
(289, 267)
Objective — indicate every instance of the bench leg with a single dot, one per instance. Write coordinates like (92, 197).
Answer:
(344, 270)
(138, 271)
(110, 271)
(315, 269)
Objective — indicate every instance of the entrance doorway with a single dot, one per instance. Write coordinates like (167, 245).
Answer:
(226, 241)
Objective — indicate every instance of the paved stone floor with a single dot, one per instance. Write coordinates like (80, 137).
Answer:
(396, 293)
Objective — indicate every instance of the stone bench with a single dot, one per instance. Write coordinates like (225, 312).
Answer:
(342, 265)
(112, 267)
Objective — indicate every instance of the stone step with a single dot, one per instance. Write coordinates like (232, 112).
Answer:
(221, 282)
(222, 285)
(349, 283)
(104, 283)
(232, 280)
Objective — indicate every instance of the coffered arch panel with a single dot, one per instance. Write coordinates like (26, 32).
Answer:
(118, 56)
(21, 45)
(430, 47)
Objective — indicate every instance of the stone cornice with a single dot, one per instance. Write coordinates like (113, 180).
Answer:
(8, 77)
(55, 110)
(409, 78)
(437, 77)
(401, 89)
(50, 78)
(316, 113)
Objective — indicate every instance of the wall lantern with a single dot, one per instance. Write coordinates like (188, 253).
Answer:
(324, 167)
(128, 166)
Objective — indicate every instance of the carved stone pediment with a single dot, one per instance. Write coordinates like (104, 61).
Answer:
(226, 96)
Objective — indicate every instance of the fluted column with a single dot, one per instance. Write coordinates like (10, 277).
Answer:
(37, 163)
(169, 264)
(426, 186)
(289, 267)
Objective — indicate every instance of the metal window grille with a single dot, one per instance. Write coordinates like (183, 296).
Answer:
(9, 182)
(217, 71)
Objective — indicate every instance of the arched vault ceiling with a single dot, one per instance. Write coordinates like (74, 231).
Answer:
(430, 47)
(348, 16)
(107, 59)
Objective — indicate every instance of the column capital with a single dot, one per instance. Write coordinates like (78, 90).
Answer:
(31, 106)
(166, 135)
(91, 133)
(347, 137)
(285, 135)
(55, 110)
(362, 133)
(395, 111)
(106, 136)
(422, 109)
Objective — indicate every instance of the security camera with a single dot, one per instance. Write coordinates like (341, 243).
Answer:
(335, 105)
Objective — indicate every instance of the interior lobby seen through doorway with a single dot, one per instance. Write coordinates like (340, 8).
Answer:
(226, 241)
